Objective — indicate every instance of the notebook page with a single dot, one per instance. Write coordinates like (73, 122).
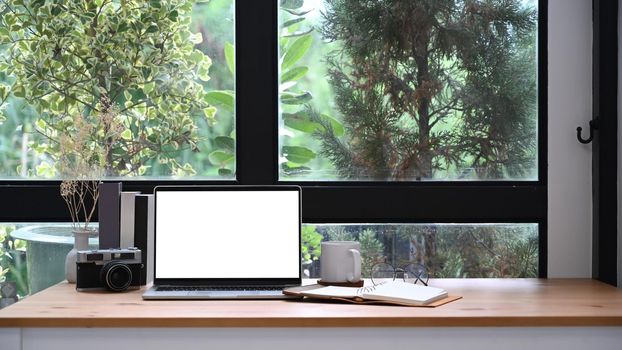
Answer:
(409, 293)
(332, 291)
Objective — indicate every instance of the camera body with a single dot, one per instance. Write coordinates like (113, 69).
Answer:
(112, 269)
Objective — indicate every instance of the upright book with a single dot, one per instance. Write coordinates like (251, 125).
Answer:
(144, 221)
(108, 213)
(126, 228)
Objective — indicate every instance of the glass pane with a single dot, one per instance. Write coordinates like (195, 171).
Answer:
(32, 255)
(408, 90)
(139, 89)
(446, 250)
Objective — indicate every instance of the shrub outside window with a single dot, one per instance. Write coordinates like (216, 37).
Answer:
(137, 89)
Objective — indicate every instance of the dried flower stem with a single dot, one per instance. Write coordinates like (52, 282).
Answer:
(81, 197)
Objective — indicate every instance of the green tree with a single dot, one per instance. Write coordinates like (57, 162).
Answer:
(426, 86)
(311, 244)
(69, 58)
(13, 260)
(372, 251)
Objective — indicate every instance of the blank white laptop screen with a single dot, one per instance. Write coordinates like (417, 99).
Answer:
(227, 234)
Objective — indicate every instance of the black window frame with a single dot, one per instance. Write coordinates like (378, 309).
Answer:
(256, 25)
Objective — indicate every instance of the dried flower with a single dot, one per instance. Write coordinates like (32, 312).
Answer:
(67, 188)
(81, 162)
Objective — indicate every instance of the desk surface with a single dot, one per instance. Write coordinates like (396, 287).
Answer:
(485, 302)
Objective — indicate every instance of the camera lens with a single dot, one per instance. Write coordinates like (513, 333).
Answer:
(116, 276)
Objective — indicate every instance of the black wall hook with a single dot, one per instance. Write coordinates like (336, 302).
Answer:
(593, 126)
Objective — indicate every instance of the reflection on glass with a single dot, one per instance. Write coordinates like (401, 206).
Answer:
(411, 273)
(13, 266)
(138, 89)
(33, 255)
(406, 90)
(444, 250)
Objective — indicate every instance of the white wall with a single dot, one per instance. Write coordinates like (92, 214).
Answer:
(570, 163)
(438, 338)
(619, 154)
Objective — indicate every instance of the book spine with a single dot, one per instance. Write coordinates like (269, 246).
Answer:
(127, 219)
(108, 214)
(144, 222)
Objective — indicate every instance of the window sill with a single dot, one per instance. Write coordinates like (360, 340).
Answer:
(485, 303)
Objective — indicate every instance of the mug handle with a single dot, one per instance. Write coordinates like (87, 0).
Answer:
(356, 276)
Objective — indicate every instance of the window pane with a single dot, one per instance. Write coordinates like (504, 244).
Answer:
(446, 250)
(13, 265)
(408, 90)
(138, 89)
(32, 255)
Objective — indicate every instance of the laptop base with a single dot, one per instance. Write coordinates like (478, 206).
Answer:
(156, 293)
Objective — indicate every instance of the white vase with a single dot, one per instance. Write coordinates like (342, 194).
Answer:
(81, 242)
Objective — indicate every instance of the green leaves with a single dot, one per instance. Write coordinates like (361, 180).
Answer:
(203, 64)
(295, 42)
(292, 4)
(5, 36)
(295, 98)
(225, 143)
(224, 155)
(173, 15)
(196, 38)
(209, 112)
(222, 98)
(154, 28)
(338, 129)
(126, 134)
(148, 88)
(297, 154)
(45, 169)
(220, 157)
(230, 57)
(4, 92)
(296, 51)
(311, 243)
(291, 22)
(225, 172)
(294, 74)
(300, 121)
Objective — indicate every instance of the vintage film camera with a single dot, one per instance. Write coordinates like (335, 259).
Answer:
(112, 269)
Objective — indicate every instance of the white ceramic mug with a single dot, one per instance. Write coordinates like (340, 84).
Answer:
(340, 262)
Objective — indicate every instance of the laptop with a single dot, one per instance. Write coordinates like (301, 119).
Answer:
(226, 242)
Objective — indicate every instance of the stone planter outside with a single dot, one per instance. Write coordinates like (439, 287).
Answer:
(47, 246)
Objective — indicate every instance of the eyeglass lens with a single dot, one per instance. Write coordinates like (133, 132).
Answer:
(412, 273)
(382, 272)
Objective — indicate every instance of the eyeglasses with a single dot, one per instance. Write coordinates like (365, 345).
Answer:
(412, 273)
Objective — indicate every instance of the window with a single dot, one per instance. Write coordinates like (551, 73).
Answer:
(408, 90)
(411, 112)
(274, 144)
(446, 250)
(138, 90)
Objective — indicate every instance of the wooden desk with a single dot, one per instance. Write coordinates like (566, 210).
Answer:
(517, 311)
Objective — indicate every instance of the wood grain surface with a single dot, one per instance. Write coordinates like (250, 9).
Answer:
(485, 302)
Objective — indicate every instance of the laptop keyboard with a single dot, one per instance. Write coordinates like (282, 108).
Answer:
(234, 292)
(215, 289)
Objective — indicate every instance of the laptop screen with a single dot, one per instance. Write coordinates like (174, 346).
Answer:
(233, 233)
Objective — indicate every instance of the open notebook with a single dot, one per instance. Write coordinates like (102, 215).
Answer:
(394, 292)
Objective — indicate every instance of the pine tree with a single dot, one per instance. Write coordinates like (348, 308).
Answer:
(427, 86)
